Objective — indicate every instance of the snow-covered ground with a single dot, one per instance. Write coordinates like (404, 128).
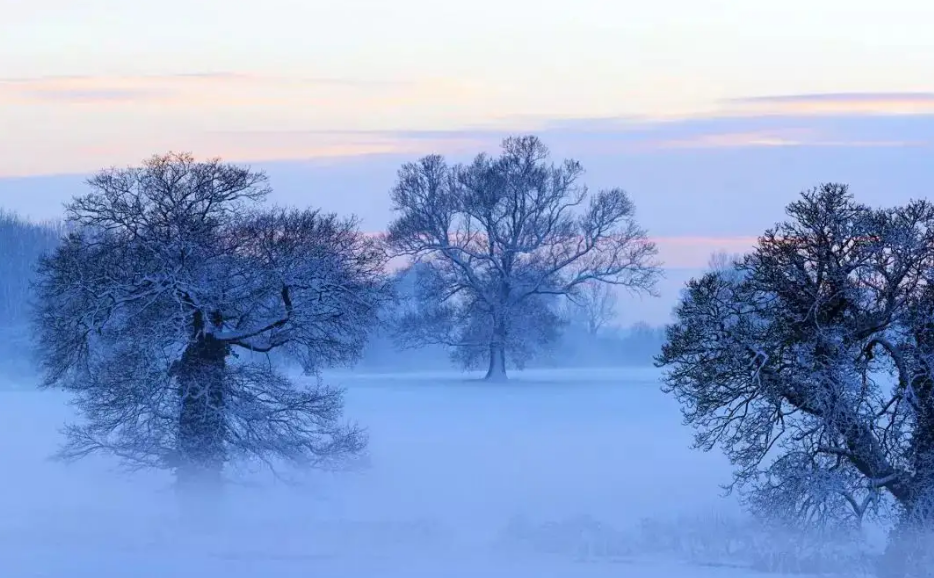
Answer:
(466, 478)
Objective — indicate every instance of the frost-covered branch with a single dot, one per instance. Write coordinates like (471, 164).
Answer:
(783, 358)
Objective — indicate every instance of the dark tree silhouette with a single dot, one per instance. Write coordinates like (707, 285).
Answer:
(811, 361)
(500, 241)
(156, 310)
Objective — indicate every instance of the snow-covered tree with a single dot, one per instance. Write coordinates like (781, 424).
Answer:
(810, 362)
(500, 241)
(155, 312)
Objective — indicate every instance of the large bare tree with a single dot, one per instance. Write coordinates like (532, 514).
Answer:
(156, 310)
(500, 241)
(810, 360)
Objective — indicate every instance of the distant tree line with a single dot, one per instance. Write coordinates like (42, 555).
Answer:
(22, 243)
(588, 336)
(633, 346)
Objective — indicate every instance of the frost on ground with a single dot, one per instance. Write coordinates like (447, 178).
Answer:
(710, 541)
(553, 474)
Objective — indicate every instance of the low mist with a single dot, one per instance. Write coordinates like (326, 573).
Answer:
(578, 472)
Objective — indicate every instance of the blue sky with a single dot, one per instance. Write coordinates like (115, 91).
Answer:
(712, 113)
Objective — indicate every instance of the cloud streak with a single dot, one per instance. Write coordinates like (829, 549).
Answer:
(90, 96)
(786, 138)
(212, 112)
(841, 97)
(693, 252)
(869, 103)
(633, 136)
(181, 89)
(203, 76)
(675, 253)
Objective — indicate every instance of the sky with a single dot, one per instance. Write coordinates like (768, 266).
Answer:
(713, 114)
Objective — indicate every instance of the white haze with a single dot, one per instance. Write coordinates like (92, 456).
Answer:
(453, 464)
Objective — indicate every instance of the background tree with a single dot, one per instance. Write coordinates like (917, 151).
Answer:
(155, 310)
(21, 244)
(810, 361)
(500, 241)
(593, 305)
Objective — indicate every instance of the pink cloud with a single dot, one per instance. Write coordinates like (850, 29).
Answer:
(199, 89)
(242, 116)
(772, 138)
(694, 252)
(688, 252)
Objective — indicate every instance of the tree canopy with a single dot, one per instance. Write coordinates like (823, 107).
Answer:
(155, 312)
(500, 241)
(809, 360)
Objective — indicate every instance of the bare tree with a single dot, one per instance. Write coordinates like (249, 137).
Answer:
(721, 261)
(156, 310)
(810, 361)
(593, 305)
(501, 240)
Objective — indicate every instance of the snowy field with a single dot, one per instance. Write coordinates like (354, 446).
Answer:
(552, 474)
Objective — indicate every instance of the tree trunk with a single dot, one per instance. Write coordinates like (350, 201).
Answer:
(910, 549)
(593, 327)
(497, 368)
(202, 423)
(909, 552)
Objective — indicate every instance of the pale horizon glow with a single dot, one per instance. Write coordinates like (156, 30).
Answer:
(108, 82)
